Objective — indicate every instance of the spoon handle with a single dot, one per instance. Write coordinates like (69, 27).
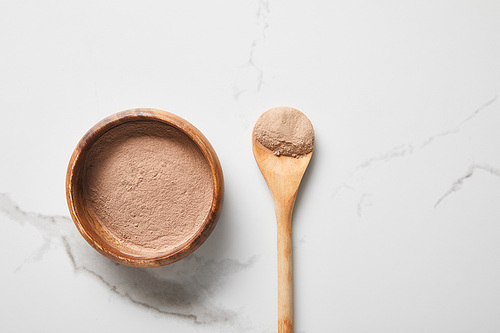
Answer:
(285, 281)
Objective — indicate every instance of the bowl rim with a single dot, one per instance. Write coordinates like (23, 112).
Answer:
(77, 160)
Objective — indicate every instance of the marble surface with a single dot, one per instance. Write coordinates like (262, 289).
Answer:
(397, 223)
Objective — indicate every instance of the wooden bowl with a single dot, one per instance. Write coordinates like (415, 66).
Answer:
(88, 224)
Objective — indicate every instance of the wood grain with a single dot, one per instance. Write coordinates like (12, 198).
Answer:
(283, 175)
(88, 225)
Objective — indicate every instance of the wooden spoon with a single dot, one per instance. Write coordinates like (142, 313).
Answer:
(283, 175)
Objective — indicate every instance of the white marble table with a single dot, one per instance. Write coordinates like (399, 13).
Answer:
(396, 227)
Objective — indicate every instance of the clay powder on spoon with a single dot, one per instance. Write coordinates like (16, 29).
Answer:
(285, 131)
(148, 185)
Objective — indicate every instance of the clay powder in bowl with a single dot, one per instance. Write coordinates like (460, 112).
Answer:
(144, 187)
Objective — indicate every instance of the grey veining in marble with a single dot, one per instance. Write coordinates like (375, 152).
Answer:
(396, 224)
(457, 140)
(251, 74)
(457, 185)
(182, 289)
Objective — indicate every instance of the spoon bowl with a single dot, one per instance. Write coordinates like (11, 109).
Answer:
(283, 174)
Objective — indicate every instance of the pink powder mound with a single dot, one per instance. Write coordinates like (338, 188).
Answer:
(148, 185)
(285, 131)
